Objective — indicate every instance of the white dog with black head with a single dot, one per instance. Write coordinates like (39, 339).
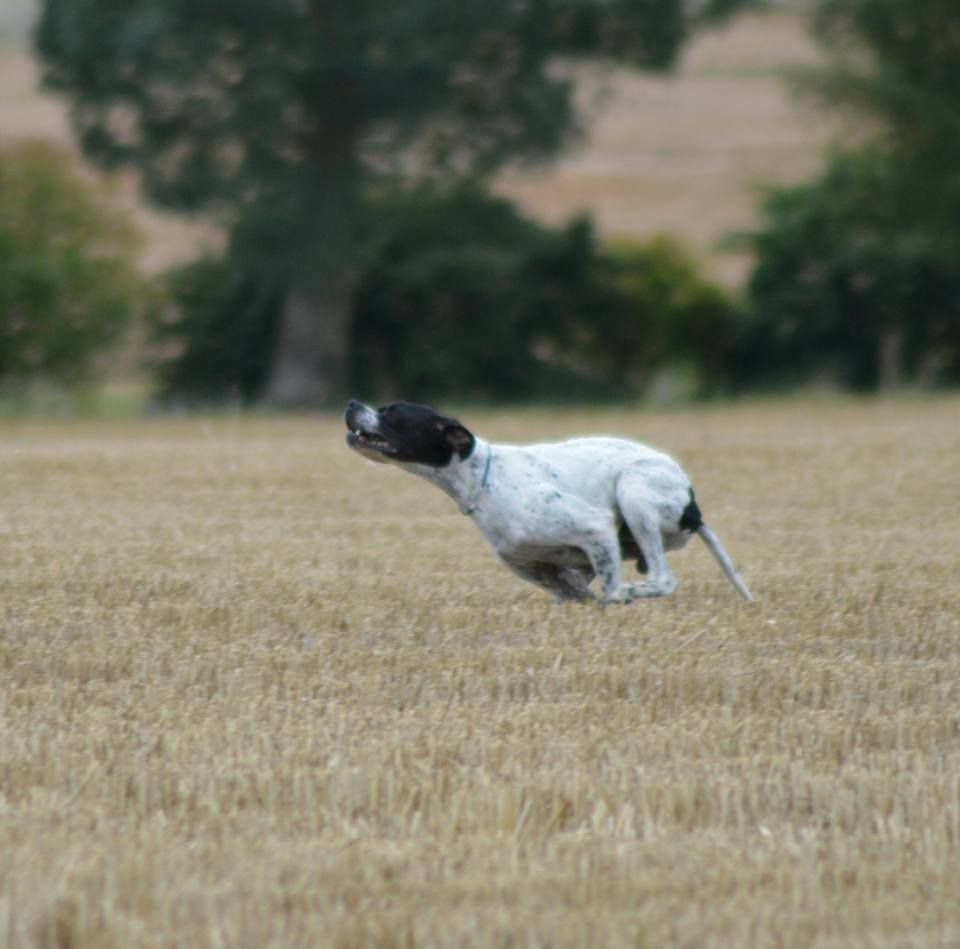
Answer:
(558, 515)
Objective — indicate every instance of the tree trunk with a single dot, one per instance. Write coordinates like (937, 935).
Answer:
(890, 359)
(318, 243)
(310, 363)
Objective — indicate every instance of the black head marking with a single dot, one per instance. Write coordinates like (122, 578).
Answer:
(409, 433)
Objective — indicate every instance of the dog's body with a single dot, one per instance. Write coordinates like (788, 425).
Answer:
(557, 515)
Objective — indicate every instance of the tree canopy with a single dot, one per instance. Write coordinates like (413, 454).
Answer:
(462, 297)
(282, 116)
(897, 66)
(217, 104)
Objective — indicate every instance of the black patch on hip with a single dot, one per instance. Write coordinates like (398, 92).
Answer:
(691, 518)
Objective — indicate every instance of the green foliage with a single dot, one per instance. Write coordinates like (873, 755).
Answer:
(898, 66)
(680, 318)
(858, 272)
(463, 297)
(217, 334)
(68, 281)
(844, 291)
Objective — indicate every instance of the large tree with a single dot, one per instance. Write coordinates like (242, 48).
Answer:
(280, 116)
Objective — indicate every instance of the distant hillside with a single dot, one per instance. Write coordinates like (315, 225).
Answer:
(682, 153)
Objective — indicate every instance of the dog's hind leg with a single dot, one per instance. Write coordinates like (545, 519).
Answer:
(603, 551)
(639, 509)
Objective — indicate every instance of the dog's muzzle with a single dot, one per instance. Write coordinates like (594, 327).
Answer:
(364, 435)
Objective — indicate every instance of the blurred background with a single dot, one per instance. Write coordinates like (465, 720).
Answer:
(282, 202)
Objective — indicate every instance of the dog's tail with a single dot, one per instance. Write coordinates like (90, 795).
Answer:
(722, 558)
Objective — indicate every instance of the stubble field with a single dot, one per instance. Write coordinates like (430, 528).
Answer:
(257, 692)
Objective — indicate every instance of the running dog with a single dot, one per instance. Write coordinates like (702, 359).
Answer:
(557, 515)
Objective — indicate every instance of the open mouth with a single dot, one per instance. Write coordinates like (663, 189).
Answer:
(369, 441)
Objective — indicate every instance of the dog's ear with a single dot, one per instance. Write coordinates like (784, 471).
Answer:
(458, 437)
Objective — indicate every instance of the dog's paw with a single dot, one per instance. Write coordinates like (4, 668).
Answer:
(622, 595)
(628, 592)
(662, 586)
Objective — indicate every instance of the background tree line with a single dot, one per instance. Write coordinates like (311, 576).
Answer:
(858, 271)
(347, 150)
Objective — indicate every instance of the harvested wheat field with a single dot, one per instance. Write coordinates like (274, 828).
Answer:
(258, 692)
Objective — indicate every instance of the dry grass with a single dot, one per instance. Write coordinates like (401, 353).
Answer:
(256, 692)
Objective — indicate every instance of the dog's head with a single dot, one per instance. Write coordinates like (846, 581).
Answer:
(405, 433)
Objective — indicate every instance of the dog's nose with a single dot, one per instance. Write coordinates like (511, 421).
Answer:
(353, 406)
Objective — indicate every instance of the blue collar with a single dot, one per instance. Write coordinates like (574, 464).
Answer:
(472, 506)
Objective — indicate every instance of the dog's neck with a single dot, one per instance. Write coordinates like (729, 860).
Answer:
(465, 481)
